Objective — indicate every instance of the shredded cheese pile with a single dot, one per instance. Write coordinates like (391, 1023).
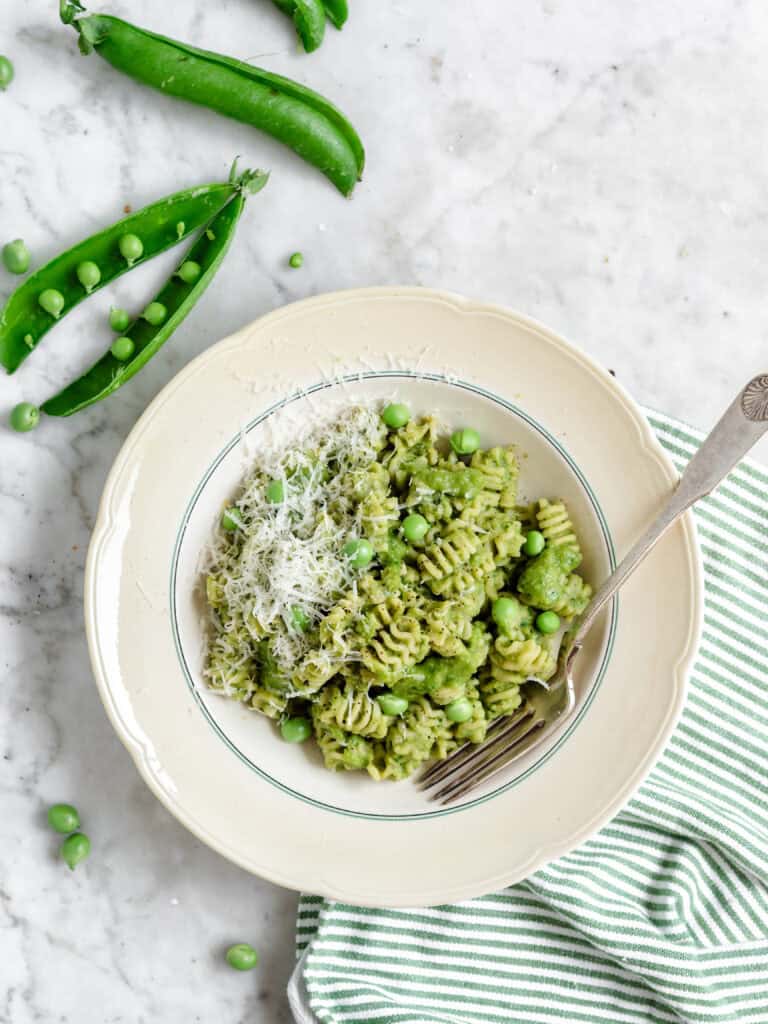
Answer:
(289, 553)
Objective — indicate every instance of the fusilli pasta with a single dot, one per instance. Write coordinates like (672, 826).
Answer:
(372, 650)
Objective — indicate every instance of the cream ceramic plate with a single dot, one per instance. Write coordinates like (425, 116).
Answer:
(222, 770)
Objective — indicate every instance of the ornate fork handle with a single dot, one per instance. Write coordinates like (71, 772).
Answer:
(741, 426)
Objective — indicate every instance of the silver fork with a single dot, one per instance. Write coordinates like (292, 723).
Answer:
(546, 704)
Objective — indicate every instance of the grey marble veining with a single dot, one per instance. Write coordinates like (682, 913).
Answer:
(601, 167)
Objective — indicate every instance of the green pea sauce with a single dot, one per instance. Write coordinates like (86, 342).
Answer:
(270, 676)
(464, 483)
(544, 579)
(435, 672)
(396, 551)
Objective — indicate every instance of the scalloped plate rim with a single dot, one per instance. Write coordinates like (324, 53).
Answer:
(104, 527)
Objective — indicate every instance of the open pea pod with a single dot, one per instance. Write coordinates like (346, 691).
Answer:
(23, 321)
(288, 111)
(177, 297)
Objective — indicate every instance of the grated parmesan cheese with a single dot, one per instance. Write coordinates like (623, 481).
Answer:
(290, 553)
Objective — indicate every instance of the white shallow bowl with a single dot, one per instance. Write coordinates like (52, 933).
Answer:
(222, 770)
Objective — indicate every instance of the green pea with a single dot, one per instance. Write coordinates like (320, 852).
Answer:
(459, 710)
(189, 271)
(357, 754)
(155, 314)
(16, 257)
(299, 617)
(296, 260)
(6, 73)
(390, 704)
(415, 528)
(88, 274)
(181, 227)
(534, 543)
(230, 519)
(396, 415)
(52, 302)
(359, 552)
(274, 492)
(242, 957)
(24, 417)
(29, 341)
(548, 622)
(119, 319)
(504, 610)
(123, 348)
(465, 441)
(75, 848)
(131, 248)
(295, 730)
(63, 818)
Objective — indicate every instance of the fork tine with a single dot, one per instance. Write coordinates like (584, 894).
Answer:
(469, 751)
(466, 783)
(461, 754)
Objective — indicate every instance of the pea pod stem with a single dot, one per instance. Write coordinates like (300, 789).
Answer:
(288, 111)
(23, 323)
(178, 297)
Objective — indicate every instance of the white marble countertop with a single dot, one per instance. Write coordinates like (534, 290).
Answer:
(599, 166)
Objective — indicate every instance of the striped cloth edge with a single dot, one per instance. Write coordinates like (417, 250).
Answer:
(660, 917)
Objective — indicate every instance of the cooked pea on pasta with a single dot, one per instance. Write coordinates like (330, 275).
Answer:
(376, 588)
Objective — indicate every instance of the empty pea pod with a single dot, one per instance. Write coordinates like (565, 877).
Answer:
(284, 109)
(25, 319)
(177, 297)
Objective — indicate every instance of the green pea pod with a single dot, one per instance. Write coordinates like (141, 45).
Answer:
(284, 109)
(308, 17)
(337, 11)
(23, 322)
(177, 296)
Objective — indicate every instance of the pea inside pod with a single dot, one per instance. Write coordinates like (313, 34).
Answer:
(177, 298)
(156, 313)
(189, 271)
(24, 320)
(122, 348)
(132, 248)
(118, 319)
(88, 274)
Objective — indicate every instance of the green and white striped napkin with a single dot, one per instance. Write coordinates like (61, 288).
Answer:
(662, 916)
